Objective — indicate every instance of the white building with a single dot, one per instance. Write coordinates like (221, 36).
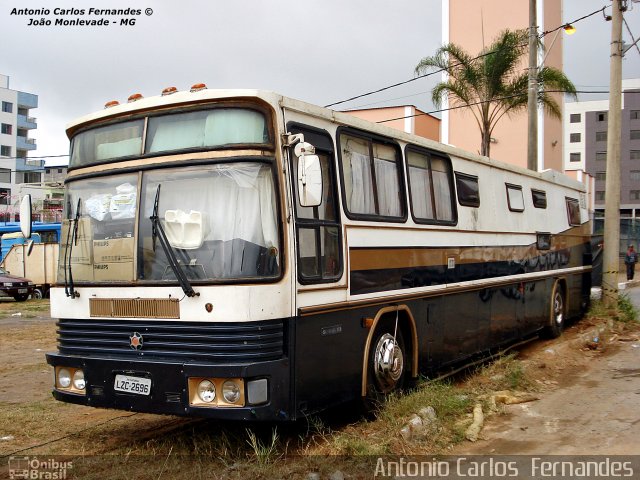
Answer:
(15, 143)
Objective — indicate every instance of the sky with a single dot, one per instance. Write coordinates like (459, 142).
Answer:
(320, 51)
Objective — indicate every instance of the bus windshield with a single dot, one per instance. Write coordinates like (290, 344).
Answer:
(194, 130)
(220, 222)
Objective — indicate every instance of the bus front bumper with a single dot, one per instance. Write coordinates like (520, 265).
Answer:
(164, 387)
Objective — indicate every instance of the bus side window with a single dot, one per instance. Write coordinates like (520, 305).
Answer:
(468, 190)
(430, 186)
(371, 178)
(318, 228)
(573, 211)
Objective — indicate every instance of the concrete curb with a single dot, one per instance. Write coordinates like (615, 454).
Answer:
(628, 284)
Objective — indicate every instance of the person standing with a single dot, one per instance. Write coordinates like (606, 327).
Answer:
(630, 260)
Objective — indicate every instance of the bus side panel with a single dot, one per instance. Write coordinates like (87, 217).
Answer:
(329, 351)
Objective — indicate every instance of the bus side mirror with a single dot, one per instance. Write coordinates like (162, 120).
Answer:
(25, 216)
(309, 176)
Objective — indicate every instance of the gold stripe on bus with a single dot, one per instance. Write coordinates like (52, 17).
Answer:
(390, 257)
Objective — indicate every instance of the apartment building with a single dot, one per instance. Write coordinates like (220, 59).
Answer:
(473, 24)
(406, 118)
(585, 147)
(16, 124)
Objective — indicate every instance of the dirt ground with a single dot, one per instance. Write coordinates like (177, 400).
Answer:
(588, 392)
(588, 399)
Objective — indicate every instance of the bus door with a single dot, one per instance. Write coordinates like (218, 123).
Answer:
(318, 230)
(319, 273)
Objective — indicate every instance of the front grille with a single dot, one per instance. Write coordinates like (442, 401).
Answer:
(134, 307)
(183, 341)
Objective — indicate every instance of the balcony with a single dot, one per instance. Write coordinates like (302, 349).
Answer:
(28, 123)
(24, 143)
(27, 100)
(33, 162)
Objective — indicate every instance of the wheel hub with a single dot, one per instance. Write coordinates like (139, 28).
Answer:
(388, 363)
(558, 309)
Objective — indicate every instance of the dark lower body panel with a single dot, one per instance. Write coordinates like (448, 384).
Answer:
(323, 354)
(169, 391)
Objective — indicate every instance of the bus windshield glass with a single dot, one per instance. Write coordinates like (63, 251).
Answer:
(223, 228)
(220, 222)
(195, 130)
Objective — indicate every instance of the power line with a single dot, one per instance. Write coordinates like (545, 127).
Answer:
(406, 81)
(33, 158)
(457, 64)
(575, 21)
(488, 101)
(635, 42)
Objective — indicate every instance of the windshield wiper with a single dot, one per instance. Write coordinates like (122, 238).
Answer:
(72, 238)
(157, 232)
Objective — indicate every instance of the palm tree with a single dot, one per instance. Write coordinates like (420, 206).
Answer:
(494, 83)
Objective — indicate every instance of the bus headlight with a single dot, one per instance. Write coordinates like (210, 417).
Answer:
(78, 380)
(64, 378)
(231, 391)
(207, 391)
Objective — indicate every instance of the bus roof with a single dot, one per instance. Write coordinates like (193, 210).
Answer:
(184, 98)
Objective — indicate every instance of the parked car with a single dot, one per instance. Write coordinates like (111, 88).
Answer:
(16, 287)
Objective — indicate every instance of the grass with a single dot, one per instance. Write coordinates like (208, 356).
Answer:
(29, 308)
(627, 311)
(146, 446)
(452, 401)
(264, 452)
(624, 312)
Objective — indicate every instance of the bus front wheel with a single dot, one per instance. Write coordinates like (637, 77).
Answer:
(387, 365)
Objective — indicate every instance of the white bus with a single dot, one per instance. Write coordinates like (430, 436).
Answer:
(242, 255)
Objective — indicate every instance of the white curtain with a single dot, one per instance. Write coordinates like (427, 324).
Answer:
(205, 129)
(360, 200)
(441, 173)
(228, 126)
(421, 192)
(388, 191)
(237, 202)
(176, 132)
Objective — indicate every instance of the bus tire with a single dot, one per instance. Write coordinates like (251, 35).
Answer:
(557, 313)
(387, 365)
(37, 294)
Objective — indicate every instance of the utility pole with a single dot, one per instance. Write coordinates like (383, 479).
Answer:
(611, 258)
(532, 106)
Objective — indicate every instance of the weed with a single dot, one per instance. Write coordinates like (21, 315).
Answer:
(264, 453)
(353, 443)
(627, 312)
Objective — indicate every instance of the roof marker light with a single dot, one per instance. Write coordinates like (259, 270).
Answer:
(135, 97)
(198, 86)
(169, 91)
(112, 103)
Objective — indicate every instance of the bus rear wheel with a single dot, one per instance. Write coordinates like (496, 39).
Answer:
(557, 313)
(387, 365)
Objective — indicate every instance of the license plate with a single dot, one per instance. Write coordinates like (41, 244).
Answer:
(22, 290)
(135, 385)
